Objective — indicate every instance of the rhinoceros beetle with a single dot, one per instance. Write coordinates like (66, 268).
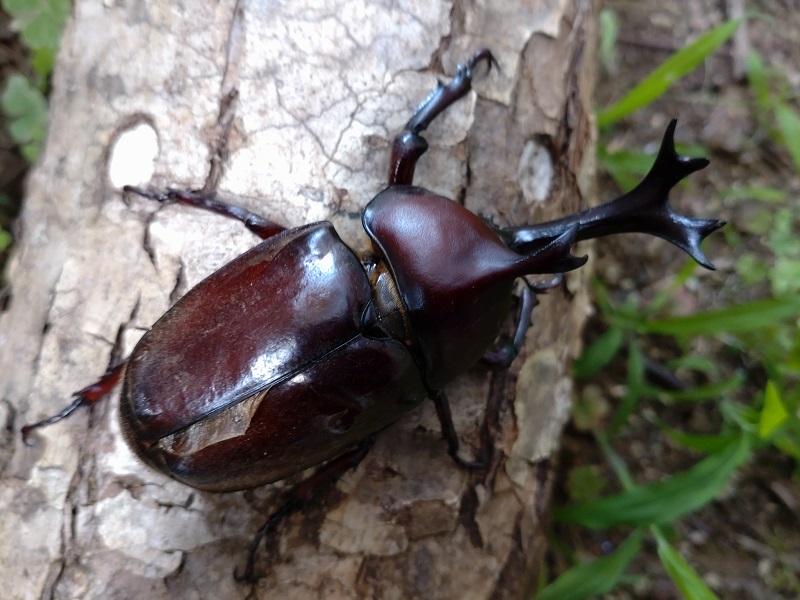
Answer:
(299, 351)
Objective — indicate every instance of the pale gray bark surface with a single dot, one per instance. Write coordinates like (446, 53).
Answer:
(293, 110)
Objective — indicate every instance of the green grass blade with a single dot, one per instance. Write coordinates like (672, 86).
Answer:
(609, 31)
(664, 501)
(681, 63)
(710, 391)
(707, 443)
(754, 192)
(685, 578)
(789, 126)
(759, 82)
(635, 389)
(595, 577)
(735, 319)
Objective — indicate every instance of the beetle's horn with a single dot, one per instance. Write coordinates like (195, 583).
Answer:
(553, 257)
(645, 209)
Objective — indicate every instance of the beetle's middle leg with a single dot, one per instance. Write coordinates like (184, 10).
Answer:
(409, 145)
(450, 435)
(298, 496)
(503, 356)
(262, 227)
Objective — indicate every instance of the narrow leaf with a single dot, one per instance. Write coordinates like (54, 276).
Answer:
(789, 125)
(685, 578)
(595, 577)
(664, 501)
(609, 30)
(754, 192)
(711, 391)
(734, 319)
(635, 389)
(757, 76)
(681, 63)
(707, 443)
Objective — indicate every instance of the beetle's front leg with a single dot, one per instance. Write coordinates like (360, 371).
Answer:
(449, 433)
(409, 145)
(88, 395)
(262, 227)
(297, 497)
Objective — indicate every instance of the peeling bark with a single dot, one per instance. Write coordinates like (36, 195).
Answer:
(291, 111)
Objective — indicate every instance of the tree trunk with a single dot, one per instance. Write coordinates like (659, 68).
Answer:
(291, 111)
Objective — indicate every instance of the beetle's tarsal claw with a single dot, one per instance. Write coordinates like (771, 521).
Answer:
(26, 430)
(482, 55)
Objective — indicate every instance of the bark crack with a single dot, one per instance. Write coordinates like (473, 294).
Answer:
(229, 94)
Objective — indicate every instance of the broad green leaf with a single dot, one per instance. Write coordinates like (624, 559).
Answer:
(598, 354)
(26, 108)
(685, 578)
(734, 319)
(5, 239)
(773, 414)
(42, 61)
(681, 63)
(789, 125)
(39, 22)
(595, 577)
(664, 501)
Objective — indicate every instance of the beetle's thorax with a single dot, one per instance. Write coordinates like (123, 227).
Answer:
(454, 275)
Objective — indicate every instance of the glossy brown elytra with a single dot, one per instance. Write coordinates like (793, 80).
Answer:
(299, 351)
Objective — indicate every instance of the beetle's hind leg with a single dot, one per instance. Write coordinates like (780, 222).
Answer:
(88, 395)
(409, 145)
(300, 495)
(262, 227)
